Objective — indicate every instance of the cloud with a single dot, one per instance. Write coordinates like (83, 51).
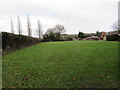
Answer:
(75, 15)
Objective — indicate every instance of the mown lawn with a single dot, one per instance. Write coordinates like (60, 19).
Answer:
(77, 64)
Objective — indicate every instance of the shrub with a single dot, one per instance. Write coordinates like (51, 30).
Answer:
(81, 35)
(13, 42)
(69, 39)
(52, 37)
(113, 37)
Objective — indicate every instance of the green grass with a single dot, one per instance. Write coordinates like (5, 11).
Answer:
(77, 64)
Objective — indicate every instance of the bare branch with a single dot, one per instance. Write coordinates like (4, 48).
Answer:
(19, 26)
(116, 27)
(29, 26)
(39, 28)
(12, 26)
(39, 31)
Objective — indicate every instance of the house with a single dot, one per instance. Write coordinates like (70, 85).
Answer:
(112, 32)
(93, 38)
(103, 35)
(65, 36)
(89, 34)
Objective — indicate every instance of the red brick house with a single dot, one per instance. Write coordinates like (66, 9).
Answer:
(103, 35)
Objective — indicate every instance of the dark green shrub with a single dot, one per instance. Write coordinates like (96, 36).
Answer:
(113, 37)
(81, 35)
(13, 42)
(52, 37)
(69, 38)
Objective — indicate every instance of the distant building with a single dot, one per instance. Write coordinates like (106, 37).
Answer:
(103, 35)
(72, 35)
(93, 38)
(112, 32)
(65, 36)
(89, 34)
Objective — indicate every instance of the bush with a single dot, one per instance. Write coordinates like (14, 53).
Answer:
(113, 37)
(52, 37)
(81, 35)
(12, 42)
(0, 41)
(69, 39)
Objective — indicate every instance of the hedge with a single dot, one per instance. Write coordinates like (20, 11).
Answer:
(11, 41)
(113, 37)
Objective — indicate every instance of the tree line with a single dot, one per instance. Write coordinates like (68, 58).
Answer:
(54, 34)
(29, 29)
(12, 42)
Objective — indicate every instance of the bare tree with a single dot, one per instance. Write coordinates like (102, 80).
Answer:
(12, 26)
(19, 26)
(116, 27)
(50, 30)
(59, 29)
(39, 31)
(29, 26)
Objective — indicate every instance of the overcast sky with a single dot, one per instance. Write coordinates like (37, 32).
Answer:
(76, 15)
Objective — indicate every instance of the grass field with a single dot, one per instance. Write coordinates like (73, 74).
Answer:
(77, 64)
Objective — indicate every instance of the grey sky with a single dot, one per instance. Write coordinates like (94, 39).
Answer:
(76, 15)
